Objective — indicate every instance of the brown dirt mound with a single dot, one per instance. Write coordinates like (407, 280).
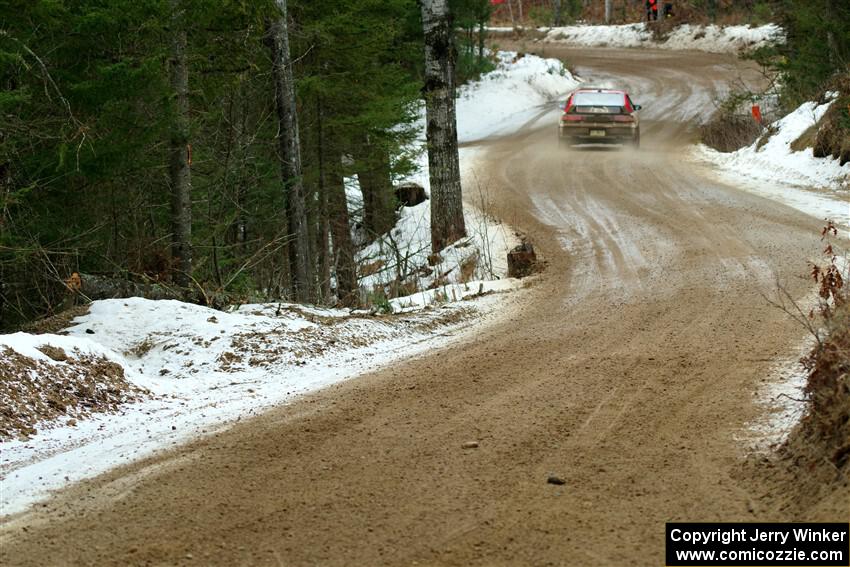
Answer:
(37, 392)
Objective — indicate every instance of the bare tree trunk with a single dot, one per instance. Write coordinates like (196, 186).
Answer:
(557, 14)
(343, 247)
(608, 10)
(290, 156)
(373, 172)
(482, 35)
(447, 223)
(237, 117)
(179, 172)
(324, 211)
(519, 3)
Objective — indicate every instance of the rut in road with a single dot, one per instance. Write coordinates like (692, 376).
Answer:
(628, 370)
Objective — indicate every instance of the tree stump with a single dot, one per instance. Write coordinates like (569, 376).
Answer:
(410, 194)
(522, 261)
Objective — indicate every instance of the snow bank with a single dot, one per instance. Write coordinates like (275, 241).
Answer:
(204, 369)
(503, 100)
(775, 160)
(451, 293)
(403, 254)
(33, 346)
(711, 38)
(776, 171)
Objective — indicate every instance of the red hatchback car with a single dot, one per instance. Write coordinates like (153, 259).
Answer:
(600, 116)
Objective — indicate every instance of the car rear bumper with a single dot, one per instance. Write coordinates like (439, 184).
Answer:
(598, 133)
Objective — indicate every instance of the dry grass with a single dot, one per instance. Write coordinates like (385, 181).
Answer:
(806, 139)
(827, 424)
(727, 132)
(815, 476)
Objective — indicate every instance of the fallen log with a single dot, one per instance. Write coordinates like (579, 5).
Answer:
(93, 288)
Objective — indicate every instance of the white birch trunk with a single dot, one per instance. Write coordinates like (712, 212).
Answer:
(447, 224)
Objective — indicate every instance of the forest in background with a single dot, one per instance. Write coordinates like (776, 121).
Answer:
(91, 118)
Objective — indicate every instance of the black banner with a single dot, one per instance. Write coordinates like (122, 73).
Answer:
(758, 544)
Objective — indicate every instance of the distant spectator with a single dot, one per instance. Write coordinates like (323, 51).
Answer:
(667, 11)
(651, 10)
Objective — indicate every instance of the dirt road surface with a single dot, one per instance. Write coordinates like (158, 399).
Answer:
(628, 370)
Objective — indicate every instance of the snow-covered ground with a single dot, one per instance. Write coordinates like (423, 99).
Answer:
(817, 186)
(781, 397)
(518, 91)
(711, 38)
(205, 369)
(403, 254)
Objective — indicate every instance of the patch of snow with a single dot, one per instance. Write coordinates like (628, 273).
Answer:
(28, 345)
(514, 93)
(403, 254)
(711, 38)
(452, 293)
(796, 178)
(782, 399)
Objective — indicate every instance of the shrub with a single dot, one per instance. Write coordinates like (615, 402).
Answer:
(827, 423)
(727, 132)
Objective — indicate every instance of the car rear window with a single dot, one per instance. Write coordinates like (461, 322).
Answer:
(612, 102)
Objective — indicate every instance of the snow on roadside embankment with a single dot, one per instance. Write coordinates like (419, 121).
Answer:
(134, 376)
(188, 370)
(519, 90)
(711, 38)
(770, 167)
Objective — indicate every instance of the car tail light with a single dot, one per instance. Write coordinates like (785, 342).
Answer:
(624, 118)
(572, 118)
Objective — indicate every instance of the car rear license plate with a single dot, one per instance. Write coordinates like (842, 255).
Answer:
(597, 133)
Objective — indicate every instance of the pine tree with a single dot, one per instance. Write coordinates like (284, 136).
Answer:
(180, 149)
(290, 156)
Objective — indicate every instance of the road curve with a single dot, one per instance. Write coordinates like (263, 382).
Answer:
(627, 369)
